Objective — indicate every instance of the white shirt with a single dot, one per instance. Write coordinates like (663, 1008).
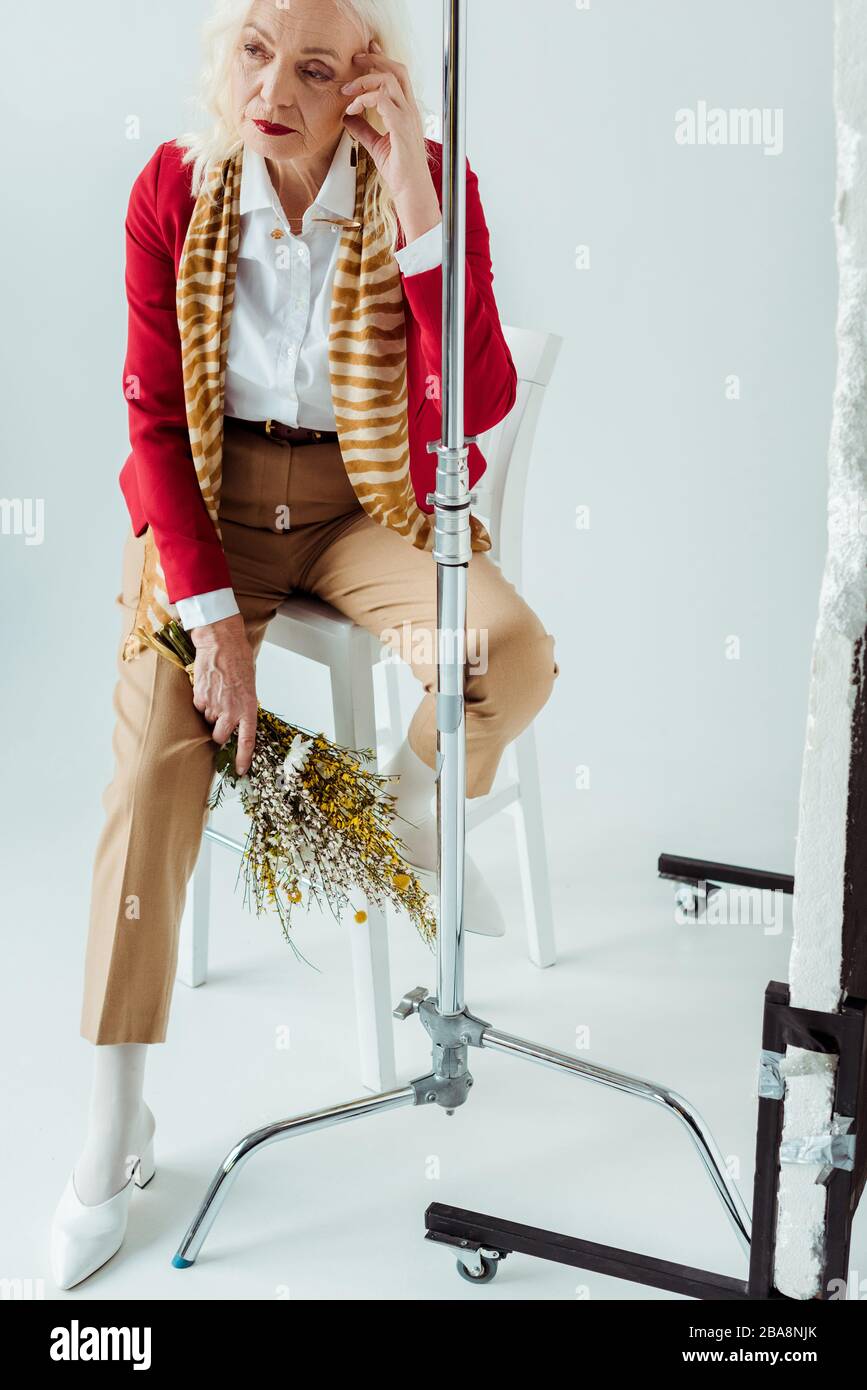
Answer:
(277, 366)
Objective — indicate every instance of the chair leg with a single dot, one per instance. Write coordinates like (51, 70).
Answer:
(193, 945)
(395, 711)
(373, 1000)
(532, 852)
(352, 695)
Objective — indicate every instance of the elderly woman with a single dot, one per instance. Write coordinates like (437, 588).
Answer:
(285, 306)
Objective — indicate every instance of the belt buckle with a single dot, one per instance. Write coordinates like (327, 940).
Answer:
(277, 439)
(317, 434)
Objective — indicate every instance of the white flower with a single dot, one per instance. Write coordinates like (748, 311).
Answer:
(295, 759)
(246, 792)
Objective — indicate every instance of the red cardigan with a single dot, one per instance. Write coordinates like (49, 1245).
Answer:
(158, 479)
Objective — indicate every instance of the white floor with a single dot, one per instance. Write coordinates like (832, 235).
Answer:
(340, 1214)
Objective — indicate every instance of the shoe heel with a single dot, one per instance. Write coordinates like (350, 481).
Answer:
(145, 1168)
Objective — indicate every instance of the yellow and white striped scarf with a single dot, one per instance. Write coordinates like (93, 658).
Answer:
(367, 357)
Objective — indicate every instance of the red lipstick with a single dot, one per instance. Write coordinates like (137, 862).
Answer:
(268, 128)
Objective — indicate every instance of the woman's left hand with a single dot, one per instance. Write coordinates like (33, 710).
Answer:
(399, 154)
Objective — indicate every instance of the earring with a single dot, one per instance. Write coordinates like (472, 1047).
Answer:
(353, 154)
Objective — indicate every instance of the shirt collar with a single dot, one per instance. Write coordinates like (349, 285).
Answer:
(336, 196)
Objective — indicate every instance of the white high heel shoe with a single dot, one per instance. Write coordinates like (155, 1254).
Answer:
(482, 913)
(83, 1238)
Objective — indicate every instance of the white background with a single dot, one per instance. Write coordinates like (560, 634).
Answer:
(707, 523)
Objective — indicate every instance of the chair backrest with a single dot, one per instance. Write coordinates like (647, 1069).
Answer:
(508, 448)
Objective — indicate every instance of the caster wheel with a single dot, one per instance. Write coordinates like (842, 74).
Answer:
(686, 899)
(489, 1271)
(692, 899)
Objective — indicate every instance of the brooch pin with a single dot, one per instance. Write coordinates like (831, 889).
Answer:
(338, 221)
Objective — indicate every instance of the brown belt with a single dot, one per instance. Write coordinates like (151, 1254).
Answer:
(286, 434)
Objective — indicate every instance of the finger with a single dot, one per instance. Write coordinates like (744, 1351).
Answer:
(223, 729)
(360, 104)
(392, 117)
(363, 101)
(376, 82)
(246, 743)
(378, 59)
(362, 131)
(389, 110)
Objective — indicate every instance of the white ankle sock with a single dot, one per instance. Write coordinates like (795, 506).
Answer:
(119, 1123)
(415, 792)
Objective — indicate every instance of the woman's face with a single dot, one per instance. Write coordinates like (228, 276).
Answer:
(292, 58)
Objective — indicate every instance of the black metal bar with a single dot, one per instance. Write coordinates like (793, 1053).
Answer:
(816, 1030)
(453, 1226)
(706, 871)
(767, 1174)
(843, 1192)
(842, 1034)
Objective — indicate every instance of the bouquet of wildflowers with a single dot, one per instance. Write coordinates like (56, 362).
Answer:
(318, 817)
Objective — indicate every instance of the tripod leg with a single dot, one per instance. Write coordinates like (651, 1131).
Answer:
(702, 1139)
(259, 1139)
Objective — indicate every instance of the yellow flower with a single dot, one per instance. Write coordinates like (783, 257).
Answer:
(361, 917)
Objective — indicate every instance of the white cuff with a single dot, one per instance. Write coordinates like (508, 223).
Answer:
(200, 609)
(422, 254)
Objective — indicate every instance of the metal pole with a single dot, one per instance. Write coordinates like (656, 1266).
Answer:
(452, 528)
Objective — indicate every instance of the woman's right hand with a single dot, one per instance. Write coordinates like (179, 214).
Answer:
(224, 684)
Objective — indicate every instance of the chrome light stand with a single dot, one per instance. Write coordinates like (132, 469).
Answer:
(453, 1030)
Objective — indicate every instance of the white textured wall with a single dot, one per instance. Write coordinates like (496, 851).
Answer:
(815, 973)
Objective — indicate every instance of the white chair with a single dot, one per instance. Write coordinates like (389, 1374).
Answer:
(307, 627)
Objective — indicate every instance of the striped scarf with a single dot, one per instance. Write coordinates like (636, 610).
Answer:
(367, 359)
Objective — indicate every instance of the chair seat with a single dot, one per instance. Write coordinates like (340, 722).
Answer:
(313, 612)
(312, 628)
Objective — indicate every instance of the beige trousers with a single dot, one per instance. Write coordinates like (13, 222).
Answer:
(156, 803)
